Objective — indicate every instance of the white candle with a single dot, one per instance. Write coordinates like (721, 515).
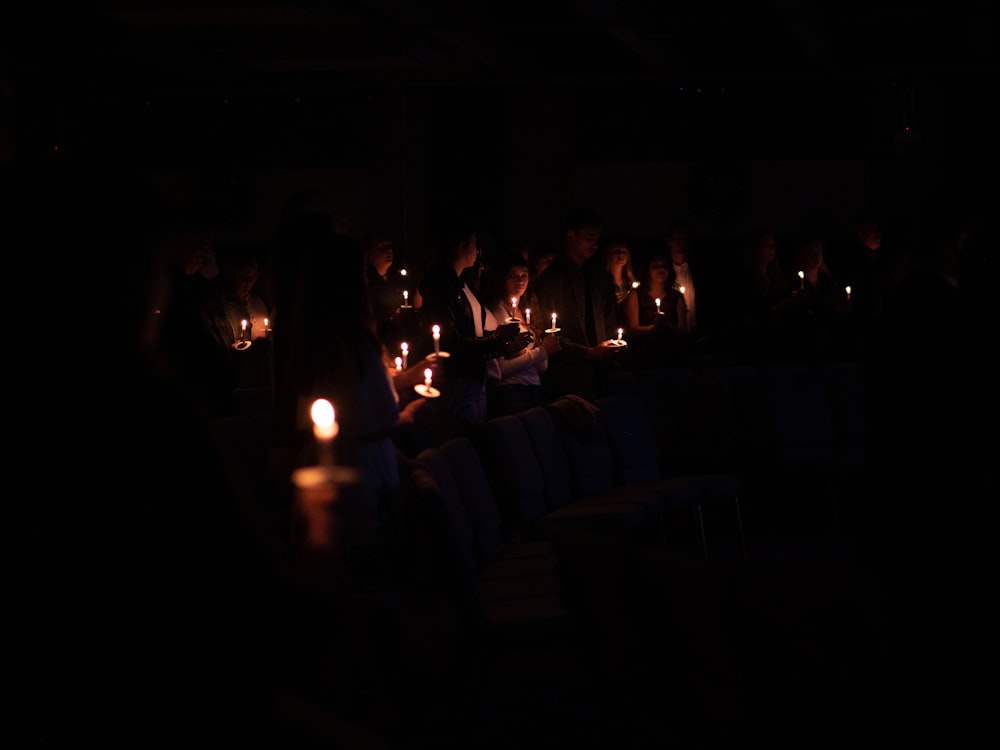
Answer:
(399, 364)
(436, 334)
(553, 321)
(427, 378)
(325, 429)
(405, 348)
(802, 280)
(682, 290)
(513, 307)
(406, 298)
(243, 329)
(267, 324)
(848, 290)
(620, 332)
(657, 300)
(527, 315)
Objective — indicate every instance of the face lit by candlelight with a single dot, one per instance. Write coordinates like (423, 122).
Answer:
(516, 282)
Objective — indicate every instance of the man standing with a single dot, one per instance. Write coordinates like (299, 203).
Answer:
(581, 293)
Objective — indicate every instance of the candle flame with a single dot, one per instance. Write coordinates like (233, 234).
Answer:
(404, 347)
(436, 330)
(802, 274)
(427, 377)
(682, 290)
(324, 419)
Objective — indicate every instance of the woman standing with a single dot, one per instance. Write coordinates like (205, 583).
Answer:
(468, 332)
(515, 381)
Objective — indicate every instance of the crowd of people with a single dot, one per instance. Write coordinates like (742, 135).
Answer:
(191, 325)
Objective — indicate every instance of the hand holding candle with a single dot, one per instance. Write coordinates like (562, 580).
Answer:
(426, 389)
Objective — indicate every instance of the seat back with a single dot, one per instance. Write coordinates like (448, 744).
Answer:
(581, 434)
(480, 504)
(631, 440)
(551, 455)
(450, 530)
(514, 471)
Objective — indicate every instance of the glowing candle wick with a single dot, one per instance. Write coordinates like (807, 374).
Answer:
(325, 429)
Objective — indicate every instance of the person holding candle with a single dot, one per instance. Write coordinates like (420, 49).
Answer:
(515, 382)
(762, 297)
(577, 287)
(819, 302)
(393, 321)
(618, 262)
(657, 331)
(469, 330)
(335, 355)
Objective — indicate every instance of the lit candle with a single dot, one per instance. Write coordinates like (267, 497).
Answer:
(399, 364)
(427, 378)
(436, 334)
(635, 284)
(553, 321)
(402, 272)
(682, 290)
(243, 329)
(620, 332)
(802, 280)
(527, 316)
(267, 325)
(848, 290)
(657, 300)
(513, 307)
(406, 298)
(405, 348)
(325, 429)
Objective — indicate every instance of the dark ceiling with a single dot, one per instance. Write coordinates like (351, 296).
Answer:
(836, 72)
(350, 43)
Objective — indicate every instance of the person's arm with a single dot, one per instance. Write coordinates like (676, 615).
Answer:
(441, 307)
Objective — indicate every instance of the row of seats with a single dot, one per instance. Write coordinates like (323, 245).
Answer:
(658, 446)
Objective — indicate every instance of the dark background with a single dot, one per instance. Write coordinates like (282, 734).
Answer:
(790, 114)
